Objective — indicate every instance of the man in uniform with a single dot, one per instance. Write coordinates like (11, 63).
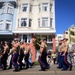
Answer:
(64, 53)
(27, 55)
(5, 55)
(15, 55)
(43, 55)
(21, 54)
(59, 55)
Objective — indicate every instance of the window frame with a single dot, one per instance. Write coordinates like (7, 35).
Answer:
(9, 22)
(51, 22)
(31, 7)
(39, 7)
(39, 22)
(24, 19)
(30, 22)
(45, 7)
(24, 7)
(44, 23)
(3, 9)
(1, 24)
(10, 10)
(51, 5)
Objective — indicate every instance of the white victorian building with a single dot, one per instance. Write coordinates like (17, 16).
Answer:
(35, 17)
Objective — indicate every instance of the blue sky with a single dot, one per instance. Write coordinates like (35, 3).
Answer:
(64, 14)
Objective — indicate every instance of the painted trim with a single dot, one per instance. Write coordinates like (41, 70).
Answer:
(34, 31)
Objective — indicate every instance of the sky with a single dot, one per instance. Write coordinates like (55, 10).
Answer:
(64, 15)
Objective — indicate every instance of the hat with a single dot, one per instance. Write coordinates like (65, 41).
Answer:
(16, 39)
(6, 42)
(21, 41)
(65, 39)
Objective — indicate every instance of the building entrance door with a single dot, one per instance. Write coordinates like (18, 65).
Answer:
(25, 38)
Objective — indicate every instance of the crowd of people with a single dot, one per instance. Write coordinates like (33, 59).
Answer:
(15, 54)
(63, 62)
(19, 55)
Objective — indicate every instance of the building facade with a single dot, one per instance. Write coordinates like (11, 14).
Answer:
(7, 19)
(36, 18)
(66, 35)
(26, 19)
(59, 37)
(72, 34)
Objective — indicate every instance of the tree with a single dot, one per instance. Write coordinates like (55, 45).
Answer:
(37, 41)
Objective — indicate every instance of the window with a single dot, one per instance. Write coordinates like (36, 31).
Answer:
(51, 22)
(50, 38)
(25, 38)
(39, 22)
(45, 7)
(50, 7)
(30, 22)
(66, 32)
(24, 7)
(44, 37)
(3, 9)
(23, 22)
(72, 33)
(44, 22)
(1, 23)
(18, 22)
(30, 8)
(39, 7)
(8, 25)
(10, 10)
(59, 37)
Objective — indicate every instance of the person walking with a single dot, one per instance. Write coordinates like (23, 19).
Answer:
(54, 56)
(27, 49)
(5, 55)
(21, 54)
(15, 55)
(43, 54)
(66, 64)
(59, 55)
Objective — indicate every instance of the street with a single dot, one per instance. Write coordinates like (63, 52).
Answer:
(35, 71)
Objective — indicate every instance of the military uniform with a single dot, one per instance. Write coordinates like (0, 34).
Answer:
(5, 56)
(27, 56)
(42, 58)
(59, 57)
(21, 55)
(0, 58)
(15, 55)
(64, 53)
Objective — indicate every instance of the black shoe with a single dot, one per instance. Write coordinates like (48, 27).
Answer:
(26, 67)
(0, 67)
(70, 68)
(59, 67)
(16, 70)
(9, 67)
(63, 69)
(4, 68)
(42, 70)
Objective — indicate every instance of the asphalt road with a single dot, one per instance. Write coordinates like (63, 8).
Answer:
(35, 71)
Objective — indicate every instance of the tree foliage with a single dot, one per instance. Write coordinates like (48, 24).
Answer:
(37, 41)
